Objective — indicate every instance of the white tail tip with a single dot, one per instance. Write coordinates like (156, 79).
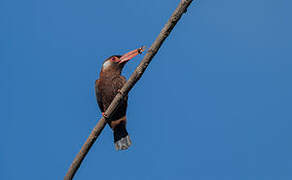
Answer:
(123, 143)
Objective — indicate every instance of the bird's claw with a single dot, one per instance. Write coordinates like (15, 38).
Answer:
(104, 115)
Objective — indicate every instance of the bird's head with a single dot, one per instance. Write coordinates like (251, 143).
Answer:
(116, 63)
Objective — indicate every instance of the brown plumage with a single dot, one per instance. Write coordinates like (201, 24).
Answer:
(106, 87)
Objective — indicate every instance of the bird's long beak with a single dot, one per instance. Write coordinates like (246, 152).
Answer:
(131, 54)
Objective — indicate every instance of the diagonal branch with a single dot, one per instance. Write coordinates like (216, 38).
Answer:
(175, 17)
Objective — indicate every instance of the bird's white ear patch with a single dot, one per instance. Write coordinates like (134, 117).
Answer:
(106, 64)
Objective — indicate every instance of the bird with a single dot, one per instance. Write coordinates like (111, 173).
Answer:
(107, 86)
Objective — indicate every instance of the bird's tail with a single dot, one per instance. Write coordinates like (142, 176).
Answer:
(121, 137)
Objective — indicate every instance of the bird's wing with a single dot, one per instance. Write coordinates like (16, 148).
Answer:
(118, 83)
(98, 96)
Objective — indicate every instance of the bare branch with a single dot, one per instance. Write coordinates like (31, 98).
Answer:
(137, 74)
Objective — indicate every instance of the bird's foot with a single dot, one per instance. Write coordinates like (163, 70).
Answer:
(104, 115)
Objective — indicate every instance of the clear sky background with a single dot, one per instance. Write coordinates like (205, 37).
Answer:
(214, 104)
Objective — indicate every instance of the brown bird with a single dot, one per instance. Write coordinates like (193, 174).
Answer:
(106, 87)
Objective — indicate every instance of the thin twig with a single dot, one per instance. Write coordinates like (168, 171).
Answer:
(137, 74)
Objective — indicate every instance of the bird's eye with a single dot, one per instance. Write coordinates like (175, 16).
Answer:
(113, 58)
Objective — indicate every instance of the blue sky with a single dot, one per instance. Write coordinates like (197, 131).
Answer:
(214, 104)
